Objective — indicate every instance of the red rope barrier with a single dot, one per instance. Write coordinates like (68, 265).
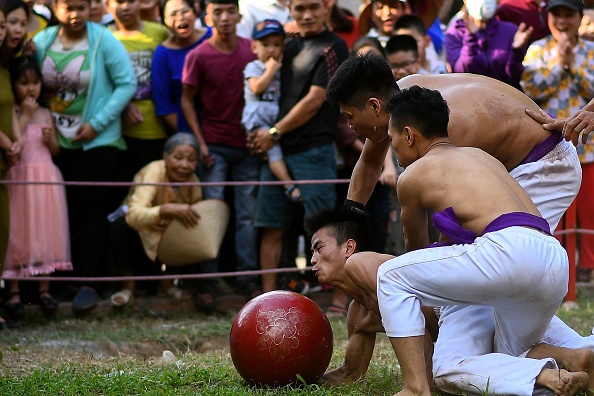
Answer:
(157, 277)
(129, 184)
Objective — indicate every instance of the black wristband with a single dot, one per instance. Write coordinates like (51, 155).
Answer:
(354, 205)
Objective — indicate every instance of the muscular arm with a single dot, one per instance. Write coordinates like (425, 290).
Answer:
(367, 170)
(413, 214)
(359, 350)
(298, 116)
(304, 110)
(187, 104)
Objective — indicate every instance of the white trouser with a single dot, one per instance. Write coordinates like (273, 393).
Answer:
(466, 332)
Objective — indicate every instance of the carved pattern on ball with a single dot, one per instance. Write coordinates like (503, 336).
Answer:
(278, 330)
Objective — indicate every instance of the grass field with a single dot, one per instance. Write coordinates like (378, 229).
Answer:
(122, 355)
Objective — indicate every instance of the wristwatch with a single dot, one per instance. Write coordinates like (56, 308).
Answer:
(274, 134)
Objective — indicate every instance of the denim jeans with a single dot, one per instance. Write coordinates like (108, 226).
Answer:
(243, 167)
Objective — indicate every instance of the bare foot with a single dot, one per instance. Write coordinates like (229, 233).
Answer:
(408, 392)
(583, 360)
(573, 360)
(563, 382)
(571, 382)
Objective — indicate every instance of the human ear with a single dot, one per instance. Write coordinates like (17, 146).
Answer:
(375, 104)
(351, 247)
(427, 41)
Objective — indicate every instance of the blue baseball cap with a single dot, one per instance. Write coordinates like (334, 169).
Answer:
(267, 27)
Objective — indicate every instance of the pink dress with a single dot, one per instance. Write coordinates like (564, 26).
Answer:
(39, 241)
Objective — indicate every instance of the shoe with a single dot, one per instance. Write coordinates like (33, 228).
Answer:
(121, 298)
(85, 300)
(16, 309)
(47, 302)
(302, 287)
(8, 325)
(205, 304)
(249, 290)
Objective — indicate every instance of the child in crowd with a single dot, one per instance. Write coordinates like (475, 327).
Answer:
(89, 80)
(403, 56)
(168, 62)
(428, 58)
(143, 130)
(39, 240)
(262, 92)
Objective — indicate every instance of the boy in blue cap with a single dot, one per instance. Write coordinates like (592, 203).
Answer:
(262, 93)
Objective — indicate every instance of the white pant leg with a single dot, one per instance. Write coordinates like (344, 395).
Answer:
(463, 362)
(560, 334)
(520, 272)
(468, 331)
(552, 182)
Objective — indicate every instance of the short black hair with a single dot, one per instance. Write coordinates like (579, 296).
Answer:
(343, 224)
(22, 64)
(411, 22)
(423, 108)
(236, 2)
(367, 41)
(359, 78)
(402, 42)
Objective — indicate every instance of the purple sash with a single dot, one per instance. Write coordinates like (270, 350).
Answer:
(446, 222)
(543, 148)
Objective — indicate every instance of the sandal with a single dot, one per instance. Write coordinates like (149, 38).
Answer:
(47, 301)
(14, 309)
(249, 290)
(336, 311)
(121, 298)
(8, 325)
(289, 193)
(205, 298)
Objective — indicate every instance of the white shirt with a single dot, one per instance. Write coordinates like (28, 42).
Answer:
(254, 11)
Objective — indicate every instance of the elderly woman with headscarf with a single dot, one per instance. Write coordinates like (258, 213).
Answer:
(149, 209)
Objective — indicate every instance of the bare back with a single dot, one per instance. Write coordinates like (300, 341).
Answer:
(473, 183)
(486, 113)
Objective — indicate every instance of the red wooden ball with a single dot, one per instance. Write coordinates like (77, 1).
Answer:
(279, 335)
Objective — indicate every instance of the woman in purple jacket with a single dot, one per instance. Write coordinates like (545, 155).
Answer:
(479, 43)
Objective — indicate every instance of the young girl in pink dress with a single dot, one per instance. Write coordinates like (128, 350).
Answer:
(39, 241)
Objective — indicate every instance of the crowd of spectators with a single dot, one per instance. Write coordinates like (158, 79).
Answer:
(109, 89)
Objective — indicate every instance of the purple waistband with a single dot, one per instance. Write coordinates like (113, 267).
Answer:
(446, 222)
(543, 148)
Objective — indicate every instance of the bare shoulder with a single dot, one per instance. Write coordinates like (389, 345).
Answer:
(482, 89)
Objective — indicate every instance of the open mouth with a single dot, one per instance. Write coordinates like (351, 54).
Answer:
(183, 26)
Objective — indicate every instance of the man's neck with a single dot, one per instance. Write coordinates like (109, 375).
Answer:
(224, 42)
(131, 29)
(315, 34)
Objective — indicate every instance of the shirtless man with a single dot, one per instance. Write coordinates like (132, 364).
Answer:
(502, 255)
(338, 233)
(491, 115)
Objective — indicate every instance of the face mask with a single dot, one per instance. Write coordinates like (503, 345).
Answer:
(481, 10)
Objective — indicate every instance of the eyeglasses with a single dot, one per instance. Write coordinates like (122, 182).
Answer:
(184, 12)
(404, 65)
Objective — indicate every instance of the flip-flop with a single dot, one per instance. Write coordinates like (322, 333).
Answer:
(336, 311)
(201, 303)
(121, 298)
